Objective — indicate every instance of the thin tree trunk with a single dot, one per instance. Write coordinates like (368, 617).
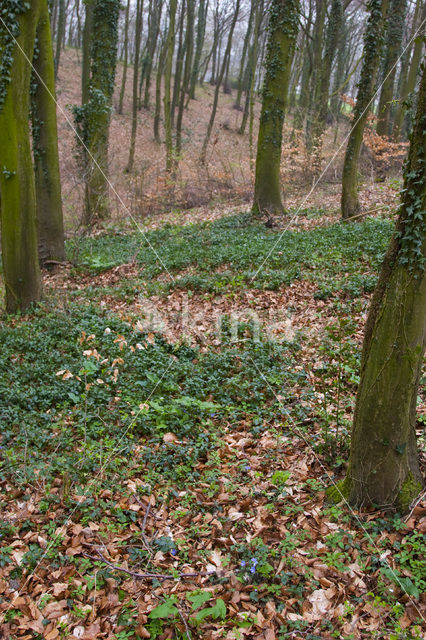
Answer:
(410, 83)
(155, 27)
(170, 45)
(189, 47)
(179, 62)
(243, 67)
(157, 112)
(201, 30)
(59, 35)
(126, 54)
(138, 37)
(395, 31)
(218, 84)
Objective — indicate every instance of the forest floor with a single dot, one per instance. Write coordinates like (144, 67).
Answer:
(172, 415)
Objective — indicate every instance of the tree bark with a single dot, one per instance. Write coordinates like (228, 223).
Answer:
(170, 45)
(126, 56)
(383, 468)
(218, 83)
(60, 31)
(201, 31)
(17, 187)
(410, 83)
(138, 37)
(283, 27)
(45, 148)
(372, 48)
(395, 30)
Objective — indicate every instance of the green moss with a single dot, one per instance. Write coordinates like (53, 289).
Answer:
(409, 490)
(339, 491)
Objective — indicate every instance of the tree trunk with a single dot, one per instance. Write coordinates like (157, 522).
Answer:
(87, 39)
(201, 31)
(170, 45)
(395, 30)
(384, 463)
(321, 99)
(410, 83)
(283, 27)
(45, 148)
(126, 55)
(155, 28)
(179, 62)
(242, 76)
(138, 37)
(218, 84)
(372, 48)
(59, 35)
(189, 47)
(97, 111)
(157, 111)
(21, 270)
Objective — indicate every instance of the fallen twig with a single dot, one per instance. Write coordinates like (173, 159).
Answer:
(145, 576)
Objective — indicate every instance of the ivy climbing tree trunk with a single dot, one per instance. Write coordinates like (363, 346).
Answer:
(384, 463)
(45, 148)
(395, 30)
(21, 270)
(283, 28)
(372, 48)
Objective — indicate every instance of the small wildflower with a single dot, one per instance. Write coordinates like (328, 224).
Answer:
(247, 467)
(243, 563)
(253, 569)
(254, 561)
(173, 552)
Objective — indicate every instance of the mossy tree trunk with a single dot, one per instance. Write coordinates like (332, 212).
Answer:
(372, 48)
(93, 117)
(384, 464)
(21, 270)
(45, 148)
(283, 28)
(395, 31)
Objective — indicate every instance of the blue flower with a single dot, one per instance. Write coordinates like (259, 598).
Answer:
(173, 552)
(254, 561)
(253, 569)
(247, 467)
(243, 563)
